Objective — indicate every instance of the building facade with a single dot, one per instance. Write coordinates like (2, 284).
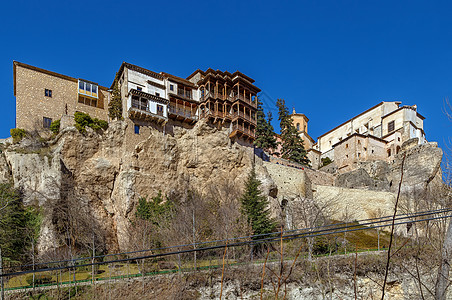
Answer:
(377, 133)
(149, 98)
(43, 96)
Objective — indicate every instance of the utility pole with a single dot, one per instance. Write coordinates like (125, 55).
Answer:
(1, 276)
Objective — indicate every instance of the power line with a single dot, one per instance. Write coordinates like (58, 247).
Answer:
(253, 242)
(362, 222)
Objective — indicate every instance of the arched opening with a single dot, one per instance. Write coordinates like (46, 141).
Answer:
(389, 152)
(397, 149)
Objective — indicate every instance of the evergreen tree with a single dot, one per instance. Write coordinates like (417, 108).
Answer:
(292, 144)
(265, 135)
(157, 211)
(115, 105)
(19, 226)
(255, 207)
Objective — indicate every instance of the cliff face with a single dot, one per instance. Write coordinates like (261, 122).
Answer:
(105, 175)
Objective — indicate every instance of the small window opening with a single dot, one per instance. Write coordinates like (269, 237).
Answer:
(48, 93)
(139, 88)
(391, 126)
(137, 129)
(46, 122)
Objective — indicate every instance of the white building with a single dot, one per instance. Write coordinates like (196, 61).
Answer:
(388, 122)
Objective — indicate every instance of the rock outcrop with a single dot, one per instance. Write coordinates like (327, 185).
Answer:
(108, 179)
(106, 173)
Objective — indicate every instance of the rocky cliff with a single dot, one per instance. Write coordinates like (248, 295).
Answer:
(106, 173)
(104, 176)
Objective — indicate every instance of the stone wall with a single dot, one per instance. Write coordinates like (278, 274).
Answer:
(32, 105)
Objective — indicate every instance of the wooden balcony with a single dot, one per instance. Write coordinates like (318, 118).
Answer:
(231, 98)
(242, 131)
(241, 114)
(181, 114)
(139, 111)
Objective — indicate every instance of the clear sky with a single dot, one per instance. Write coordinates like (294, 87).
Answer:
(329, 59)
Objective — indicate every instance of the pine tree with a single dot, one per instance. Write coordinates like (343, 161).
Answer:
(255, 207)
(265, 135)
(115, 105)
(292, 144)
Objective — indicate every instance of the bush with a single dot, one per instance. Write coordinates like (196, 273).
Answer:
(82, 120)
(326, 161)
(39, 279)
(18, 134)
(55, 126)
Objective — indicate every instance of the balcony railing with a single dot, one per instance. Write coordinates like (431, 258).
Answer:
(141, 105)
(219, 95)
(182, 112)
(243, 115)
(243, 129)
(184, 93)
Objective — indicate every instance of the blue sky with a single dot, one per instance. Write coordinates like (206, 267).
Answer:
(329, 59)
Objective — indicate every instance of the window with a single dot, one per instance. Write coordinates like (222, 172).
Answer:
(160, 110)
(359, 142)
(171, 87)
(391, 126)
(139, 88)
(346, 146)
(389, 152)
(365, 149)
(46, 122)
(398, 139)
(137, 129)
(298, 126)
(48, 93)
(87, 88)
(87, 101)
(359, 154)
(157, 94)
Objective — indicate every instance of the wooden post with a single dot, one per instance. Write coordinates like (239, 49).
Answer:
(194, 239)
(1, 278)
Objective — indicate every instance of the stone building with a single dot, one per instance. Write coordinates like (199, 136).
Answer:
(377, 133)
(43, 96)
(150, 99)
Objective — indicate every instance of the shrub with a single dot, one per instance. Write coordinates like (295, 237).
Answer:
(82, 120)
(326, 161)
(39, 279)
(55, 126)
(18, 134)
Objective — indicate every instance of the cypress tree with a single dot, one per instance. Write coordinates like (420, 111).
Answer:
(255, 207)
(115, 105)
(292, 144)
(265, 135)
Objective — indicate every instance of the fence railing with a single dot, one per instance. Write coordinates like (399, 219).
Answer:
(180, 258)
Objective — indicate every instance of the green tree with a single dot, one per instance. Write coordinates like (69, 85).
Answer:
(156, 210)
(292, 144)
(115, 105)
(265, 135)
(255, 206)
(19, 226)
